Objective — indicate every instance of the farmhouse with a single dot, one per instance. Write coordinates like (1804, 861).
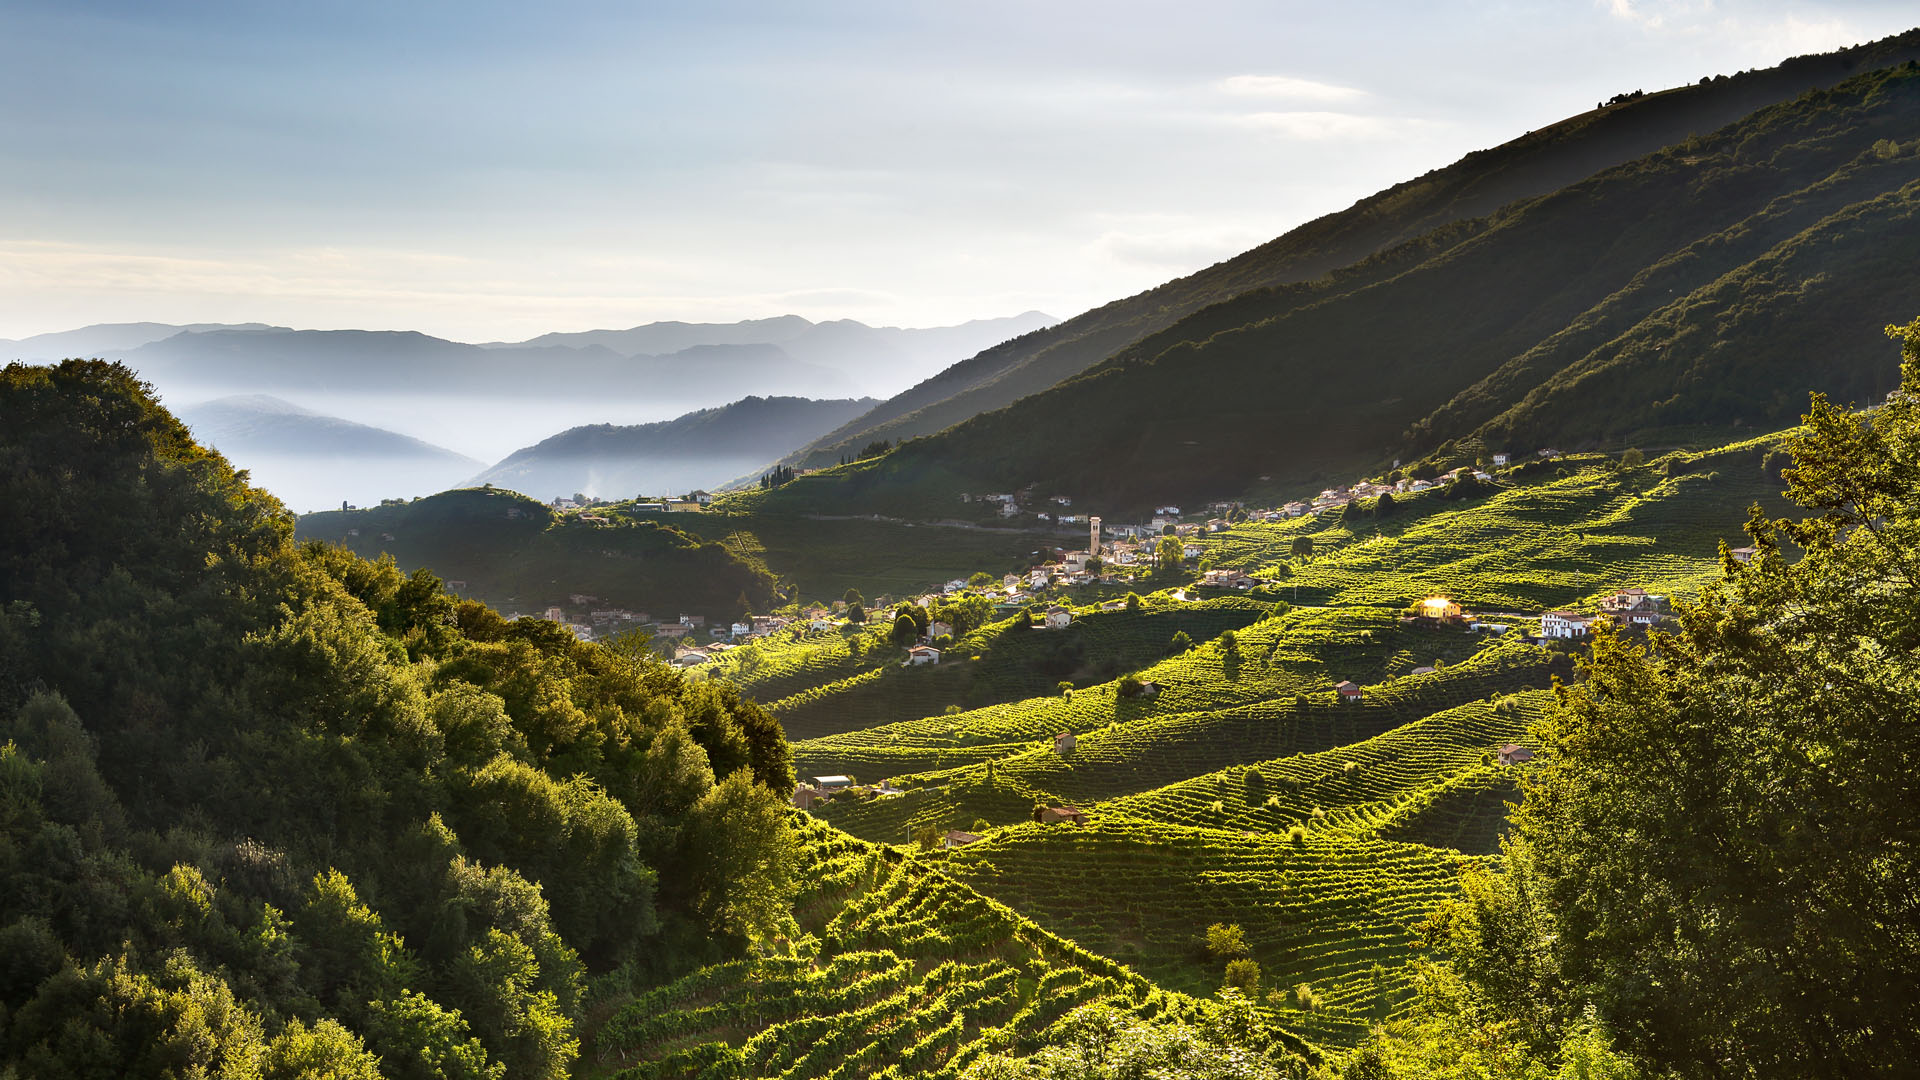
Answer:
(1511, 754)
(938, 629)
(1500, 460)
(1063, 743)
(805, 796)
(1565, 625)
(1743, 554)
(1058, 618)
(1053, 815)
(956, 838)
(1348, 690)
(922, 654)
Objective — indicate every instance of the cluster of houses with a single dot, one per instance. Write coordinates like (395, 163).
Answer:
(1631, 609)
(816, 790)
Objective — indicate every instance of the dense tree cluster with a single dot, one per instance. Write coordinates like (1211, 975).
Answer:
(270, 809)
(1714, 867)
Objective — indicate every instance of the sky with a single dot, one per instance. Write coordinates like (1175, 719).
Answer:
(485, 171)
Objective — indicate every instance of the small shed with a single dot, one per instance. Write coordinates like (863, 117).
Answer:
(1348, 690)
(1053, 815)
(832, 784)
(1514, 754)
(956, 838)
(1063, 743)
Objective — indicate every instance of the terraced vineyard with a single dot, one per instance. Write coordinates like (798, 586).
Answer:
(890, 969)
(1153, 751)
(1533, 545)
(1243, 791)
(1326, 910)
(1352, 788)
(1303, 652)
(823, 685)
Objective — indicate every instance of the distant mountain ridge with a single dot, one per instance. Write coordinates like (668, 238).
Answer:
(676, 361)
(260, 423)
(702, 449)
(1535, 164)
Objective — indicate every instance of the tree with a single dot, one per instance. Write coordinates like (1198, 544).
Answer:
(904, 632)
(1180, 643)
(1065, 686)
(1243, 975)
(1227, 941)
(982, 580)
(1168, 554)
(1705, 854)
(852, 597)
(1632, 459)
(856, 614)
(1301, 546)
(1133, 603)
(1230, 647)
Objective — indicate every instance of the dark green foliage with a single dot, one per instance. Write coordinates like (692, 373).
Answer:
(1716, 854)
(244, 781)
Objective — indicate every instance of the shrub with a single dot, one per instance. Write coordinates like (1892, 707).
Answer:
(1226, 940)
(1244, 976)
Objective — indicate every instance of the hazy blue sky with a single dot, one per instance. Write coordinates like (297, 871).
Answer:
(483, 171)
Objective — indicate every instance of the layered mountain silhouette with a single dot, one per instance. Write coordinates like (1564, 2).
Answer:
(703, 449)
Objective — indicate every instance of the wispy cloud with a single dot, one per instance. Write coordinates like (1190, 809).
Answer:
(1287, 86)
(1316, 125)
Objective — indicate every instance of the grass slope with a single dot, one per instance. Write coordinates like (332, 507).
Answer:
(1688, 295)
(1539, 162)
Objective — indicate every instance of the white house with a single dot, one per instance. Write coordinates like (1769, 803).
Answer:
(1500, 461)
(1565, 624)
(1038, 579)
(922, 654)
(1743, 554)
(1058, 618)
(1170, 511)
(1063, 743)
(1008, 510)
(742, 629)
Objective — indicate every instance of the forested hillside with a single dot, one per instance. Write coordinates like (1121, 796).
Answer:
(269, 809)
(1687, 296)
(1535, 164)
(521, 556)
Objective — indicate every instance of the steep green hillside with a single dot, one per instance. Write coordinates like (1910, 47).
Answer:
(1332, 912)
(896, 969)
(824, 557)
(517, 554)
(1537, 163)
(1691, 294)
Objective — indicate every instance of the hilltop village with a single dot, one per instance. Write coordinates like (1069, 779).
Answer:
(1170, 551)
